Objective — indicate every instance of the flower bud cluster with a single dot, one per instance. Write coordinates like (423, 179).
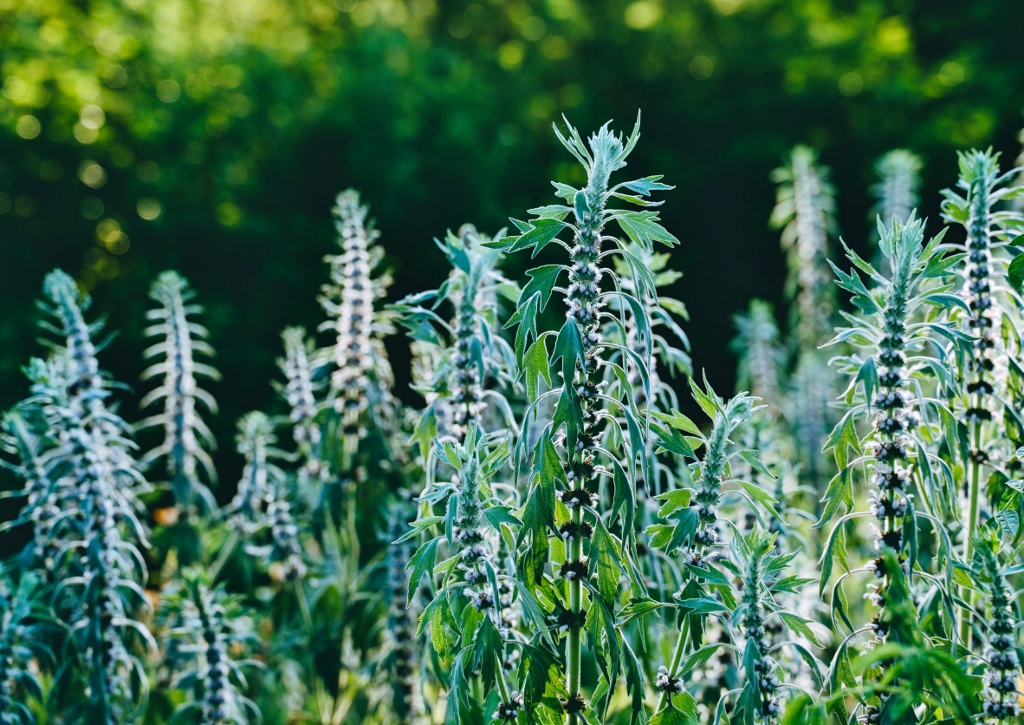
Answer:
(299, 392)
(402, 620)
(357, 358)
(179, 339)
(465, 384)
(255, 438)
(999, 696)
(893, 420)
(754, 630)
(284, 535)
(509, 710)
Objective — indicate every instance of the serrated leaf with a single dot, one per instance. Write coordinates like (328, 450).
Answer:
(643, 228)
(540, 233)
(536, 365)
(421, 563)
(798, 625)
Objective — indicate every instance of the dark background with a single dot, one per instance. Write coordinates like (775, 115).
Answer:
(242, 121)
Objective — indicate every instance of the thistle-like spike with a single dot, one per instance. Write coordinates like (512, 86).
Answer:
(185, 434)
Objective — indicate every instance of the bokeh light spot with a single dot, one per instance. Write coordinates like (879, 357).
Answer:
(92, 174)
(643, 14)
(168, 91)
(850, 84)
(701, 67)
(28, 127)
(149, 208)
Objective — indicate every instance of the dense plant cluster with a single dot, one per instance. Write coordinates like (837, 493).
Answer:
(540, 534)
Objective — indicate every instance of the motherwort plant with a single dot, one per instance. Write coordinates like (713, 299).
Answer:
(1000, 696)
(209, 630)
(185, 433)
(361, 377)
(594, 438)
(899, 177)
(897, 377)
(805, 212)
(98, 535)
(976, 206)
(694, 513)
(473, 365)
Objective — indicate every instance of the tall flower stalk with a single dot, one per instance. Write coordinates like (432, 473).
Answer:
(805, 211)
(899, 178)
(99, 532)
(895, 379)
(185, 433)
(361, 377)
(695, 513)
(209, 629)
(1000, 697)
(591, 400)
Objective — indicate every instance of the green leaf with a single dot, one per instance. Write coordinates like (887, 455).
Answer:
(624, 499)
(646, 185)
(672, 441)
(634, 681)
(536, 365)
(538, 234)
(498, 515)
(674, 500)
(1016, 270)
(751, 458)
(839, 493)
(639, 607)
(671, 716)
(678, 421)
(526, 318)
(760, 496)
(568, 349)
(643, 228)
(421, 563)
(418, 526)
(606, 562)
(703, 605)
(532, 609)
(570, 413)
(542, 281)
(798, 625)
(487, 651)
(686, 528)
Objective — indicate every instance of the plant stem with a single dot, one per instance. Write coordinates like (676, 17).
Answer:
(673, 668)
(574, 648)
(974, 483)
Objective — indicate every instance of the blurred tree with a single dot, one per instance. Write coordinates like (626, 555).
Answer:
(211, 136)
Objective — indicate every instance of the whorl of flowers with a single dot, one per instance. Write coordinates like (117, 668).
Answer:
(185, 433)
(209, 629)
(758, 566)
(361, 372)
(761, 357)
(473, 363)
(285, 547)
(300, 393)
(101, 528)
(899, 174)
(404, 663)
(255, 442)
(1000, 696)
(805, 211)
(987, 227)
(22, 650)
